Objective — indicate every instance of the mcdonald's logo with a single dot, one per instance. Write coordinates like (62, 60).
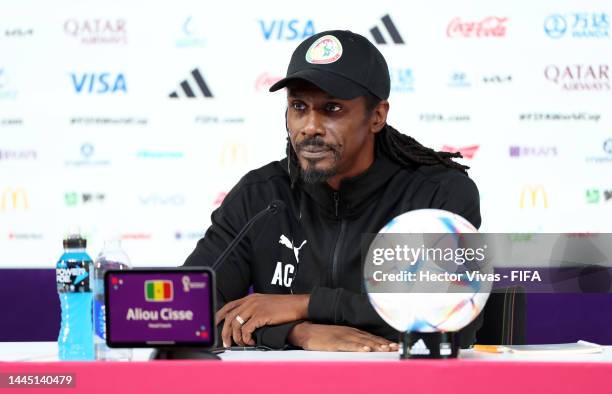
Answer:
(530, 197)
(234, 154)
(14, 199)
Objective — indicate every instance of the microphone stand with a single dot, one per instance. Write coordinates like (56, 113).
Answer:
(208, 354)
(270, 209)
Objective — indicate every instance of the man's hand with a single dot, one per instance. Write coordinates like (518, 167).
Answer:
(258, 310)
(337, 339)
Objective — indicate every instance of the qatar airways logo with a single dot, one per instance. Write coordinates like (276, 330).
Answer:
(97, 30)
(491, 26)
(579, 77)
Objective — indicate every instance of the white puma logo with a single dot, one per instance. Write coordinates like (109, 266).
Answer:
(296, 251)
(283, 274)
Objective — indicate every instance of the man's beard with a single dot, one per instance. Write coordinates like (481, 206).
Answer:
(314, 175)
(311, 174)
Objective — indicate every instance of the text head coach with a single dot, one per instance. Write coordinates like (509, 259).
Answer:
(347, 173)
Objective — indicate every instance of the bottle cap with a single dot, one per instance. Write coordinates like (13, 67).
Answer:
(74, 241)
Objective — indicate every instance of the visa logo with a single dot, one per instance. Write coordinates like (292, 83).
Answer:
(286, 30)
(98, 83)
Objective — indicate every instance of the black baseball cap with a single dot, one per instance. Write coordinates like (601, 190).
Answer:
(342, 63)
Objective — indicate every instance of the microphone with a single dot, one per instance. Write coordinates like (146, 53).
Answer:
(205, 354)
(274, 207)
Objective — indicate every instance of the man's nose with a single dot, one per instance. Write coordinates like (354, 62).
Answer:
(313, 125)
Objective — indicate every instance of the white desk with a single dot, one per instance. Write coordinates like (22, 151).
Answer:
(47, 351)
(304, 372)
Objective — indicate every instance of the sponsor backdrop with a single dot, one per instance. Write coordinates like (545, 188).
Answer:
(136, 119)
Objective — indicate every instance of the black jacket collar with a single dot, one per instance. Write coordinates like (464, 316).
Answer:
(354, 193)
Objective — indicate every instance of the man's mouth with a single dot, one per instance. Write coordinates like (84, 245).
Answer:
(315, 152)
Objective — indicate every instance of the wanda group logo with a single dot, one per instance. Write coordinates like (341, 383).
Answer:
(491, 26)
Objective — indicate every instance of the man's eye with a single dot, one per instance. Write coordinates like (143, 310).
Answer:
(333, 107)
(298, 106)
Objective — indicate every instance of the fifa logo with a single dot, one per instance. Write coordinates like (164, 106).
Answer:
(233, 154)
(530, 196)
(14, 199)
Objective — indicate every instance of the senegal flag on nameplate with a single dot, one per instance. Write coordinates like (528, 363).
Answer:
(158, 290)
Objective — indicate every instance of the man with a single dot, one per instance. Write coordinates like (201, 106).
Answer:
(346, 173)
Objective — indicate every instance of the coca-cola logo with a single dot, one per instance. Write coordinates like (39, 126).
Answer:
(265, 81)
(579, 76)
(491, 26)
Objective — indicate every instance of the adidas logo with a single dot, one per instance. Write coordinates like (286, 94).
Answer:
(187, 87)
(419, 349)
(391, 30)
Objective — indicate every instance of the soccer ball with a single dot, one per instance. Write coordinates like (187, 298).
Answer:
(423, 306)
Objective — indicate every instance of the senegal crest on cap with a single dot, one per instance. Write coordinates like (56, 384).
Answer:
(324, 50)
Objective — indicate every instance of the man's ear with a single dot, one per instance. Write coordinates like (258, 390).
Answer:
(379, 116)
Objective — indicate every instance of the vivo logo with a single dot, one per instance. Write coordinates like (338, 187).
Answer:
(98, 83)
(162, 200)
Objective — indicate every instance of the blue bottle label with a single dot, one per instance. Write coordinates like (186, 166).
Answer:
(100, 319)
(73, 276)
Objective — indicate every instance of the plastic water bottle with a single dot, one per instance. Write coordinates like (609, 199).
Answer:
(72, 275)
(112, 257)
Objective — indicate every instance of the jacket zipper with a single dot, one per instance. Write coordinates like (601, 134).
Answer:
(338, 243)
(336, 202)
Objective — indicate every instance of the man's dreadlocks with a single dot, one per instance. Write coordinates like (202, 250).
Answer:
(407, 151)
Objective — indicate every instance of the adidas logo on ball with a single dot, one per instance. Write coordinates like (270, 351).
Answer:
(419, 349)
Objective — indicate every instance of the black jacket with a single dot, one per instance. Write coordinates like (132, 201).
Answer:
(323, 228)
